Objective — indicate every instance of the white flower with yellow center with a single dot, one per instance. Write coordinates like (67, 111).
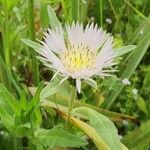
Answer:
(79, 52)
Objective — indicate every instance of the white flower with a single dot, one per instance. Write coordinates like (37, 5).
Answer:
(135, 91)
(108, 20)
(120, 137)
(141, 32)
(126, 81)
(79, 53)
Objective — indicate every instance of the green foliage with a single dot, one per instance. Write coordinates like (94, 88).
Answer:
(22, 118)
(36, 46)
(19, 117)
(53, 20)
(34, 118)
(139, 138)
(133, 62)
(9, 4)
(103, 126)
(57, 137)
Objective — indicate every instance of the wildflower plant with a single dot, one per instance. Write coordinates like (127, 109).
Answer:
(66, 112)
(80, 53)
(57, 116)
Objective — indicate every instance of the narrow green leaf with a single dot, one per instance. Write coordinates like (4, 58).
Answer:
(54, 87)
(132, 64)
(8, 101)
(104, 127)
(50, 89)
(142, 105)
(139, 138)
(23, 101)
(57, 137)
(75, 10)
(53, 20)
(44, 14)
(36, 97)
(123, 50)
(36, 46)
(9, 4)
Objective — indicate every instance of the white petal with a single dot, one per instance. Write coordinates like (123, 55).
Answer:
(78, 84)
(94, 37)
(105, 57)
(83, 73)
(50, 57)
(55, 40)
(102, 74)
(75, 33)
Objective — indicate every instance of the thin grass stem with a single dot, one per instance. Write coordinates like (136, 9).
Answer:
(70, 108)
(75, 10)
(115, 14)
(101, 12)
(138, 12)
(6, 39)
(35, 64)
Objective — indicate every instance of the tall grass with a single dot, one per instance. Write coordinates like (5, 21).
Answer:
(31, 27)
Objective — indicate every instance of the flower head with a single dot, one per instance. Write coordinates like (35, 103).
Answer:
(79, 52)
(135, 92)
(126, 81)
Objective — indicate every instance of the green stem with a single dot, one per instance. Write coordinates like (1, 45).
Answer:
(116, 16)
(75, 10)
(44, 15)
(101, 12)
(71, 105)
(35, 64)
(31, 146)
(6, 38)
(138, 12)
(15, 143)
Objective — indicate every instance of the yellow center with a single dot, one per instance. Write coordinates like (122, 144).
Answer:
(77, 58)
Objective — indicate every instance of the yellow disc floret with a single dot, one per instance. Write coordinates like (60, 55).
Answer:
(77, 58)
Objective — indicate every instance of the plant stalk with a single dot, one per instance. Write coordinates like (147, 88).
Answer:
(70, 108)
(35, 64)
(75, 10)
(6, 39)
(101, 12)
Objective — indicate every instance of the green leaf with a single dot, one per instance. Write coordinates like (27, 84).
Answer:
(133, 61)
(104, 127)
(33, 109)
(124, 49)
(23, 130)
(53, 20)
(91, 82)
(55, 87)
(36, 46)
(8, 102)
(142, 105)
(23, 101)
(57, 137)
(36, 98)
(75, 10)
(50, 89)
(9, 109)
(9, 3)
(139, 138)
